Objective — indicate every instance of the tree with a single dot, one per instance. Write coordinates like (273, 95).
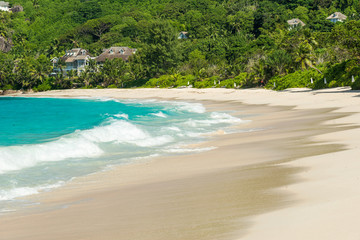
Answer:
(278, 61)
(346, 36)
(197, 61)
(88, 10)
(160, 53)
(113, 72)
(40, 69)
(304, 55)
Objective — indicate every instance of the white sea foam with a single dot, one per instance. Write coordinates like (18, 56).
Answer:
(175, 129)
(159, 114)
(154, 141)
(215, 118)
(188, 150)
(18, 157)
(26, 191)
(171, 105)
(189, 107)
(80, 144)
(122, 115)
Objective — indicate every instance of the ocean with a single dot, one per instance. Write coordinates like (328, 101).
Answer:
(47, 142)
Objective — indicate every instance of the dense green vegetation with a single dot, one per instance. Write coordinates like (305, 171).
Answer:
(246, 42)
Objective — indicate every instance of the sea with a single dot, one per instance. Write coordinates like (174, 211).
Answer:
(45, 143)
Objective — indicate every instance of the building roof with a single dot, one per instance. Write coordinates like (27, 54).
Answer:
(75, 54)
(295, 21)
(337, 15)
(116, 52)
(4, 4)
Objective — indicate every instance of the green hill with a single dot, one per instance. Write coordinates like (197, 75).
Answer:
(245, 42)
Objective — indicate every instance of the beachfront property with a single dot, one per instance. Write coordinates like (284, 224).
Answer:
(75, 59)
(4, 6)
(183, 35)
(295, 22)
(337, 17)
(115, 52)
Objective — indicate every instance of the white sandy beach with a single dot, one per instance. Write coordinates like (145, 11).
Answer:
(298, 178)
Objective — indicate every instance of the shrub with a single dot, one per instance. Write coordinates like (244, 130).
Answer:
(8, 87)
(356, 85)
(185, 80)
(340, 74)
(297, 79)
(206, 82)
(45, 86)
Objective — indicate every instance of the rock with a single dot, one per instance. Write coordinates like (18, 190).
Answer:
(17, 8)
(1, 92)
(5, 44)
(12, 92)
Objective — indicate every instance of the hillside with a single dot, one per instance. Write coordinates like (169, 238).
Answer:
(244, 42)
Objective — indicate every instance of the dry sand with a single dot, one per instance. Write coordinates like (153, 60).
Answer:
(297, 178)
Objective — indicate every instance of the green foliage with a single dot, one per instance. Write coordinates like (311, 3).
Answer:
(341, 74)
(246, 42)
(298, 79)
(356, 84)
(45, 86)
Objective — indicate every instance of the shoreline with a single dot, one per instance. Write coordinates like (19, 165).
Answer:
(260, 175)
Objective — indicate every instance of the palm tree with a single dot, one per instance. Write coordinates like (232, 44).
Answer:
(258, 71)
(278, 61)
(304, 55)
(40, 69)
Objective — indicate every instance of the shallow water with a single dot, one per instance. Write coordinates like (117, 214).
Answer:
(46, 142)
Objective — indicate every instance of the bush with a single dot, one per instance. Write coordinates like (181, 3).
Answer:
(163, 82)
(298, 79)
(45, 86)
(185, 80)
(8, 87)
(112, 86)
(340, 74)
(175, 80)
(356, 85)
(206, 82)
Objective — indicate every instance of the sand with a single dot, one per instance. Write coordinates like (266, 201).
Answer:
(297, 178)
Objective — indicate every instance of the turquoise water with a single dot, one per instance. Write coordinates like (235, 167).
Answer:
(46, 142)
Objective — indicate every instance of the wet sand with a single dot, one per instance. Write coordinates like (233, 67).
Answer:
(285, 181)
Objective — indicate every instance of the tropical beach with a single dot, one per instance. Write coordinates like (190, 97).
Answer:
(293, 176)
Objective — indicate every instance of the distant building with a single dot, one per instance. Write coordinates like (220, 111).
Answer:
(183, 35)
(337, 17)
(115, 52)
(295, 22)
(4, 6)
(75, 59)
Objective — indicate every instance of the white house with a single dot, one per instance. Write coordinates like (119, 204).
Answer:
(295, 22)
(337, 17)
(4, 6)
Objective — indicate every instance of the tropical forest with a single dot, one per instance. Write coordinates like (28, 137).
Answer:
(275, 44)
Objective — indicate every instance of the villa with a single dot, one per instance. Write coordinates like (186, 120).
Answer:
(183, 35)
(337, 17)
(76, 59)
(295, 22)
(4, 6)
(115, 52)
